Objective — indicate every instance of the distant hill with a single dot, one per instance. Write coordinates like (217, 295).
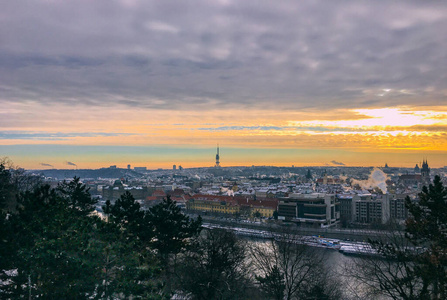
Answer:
(88, 173)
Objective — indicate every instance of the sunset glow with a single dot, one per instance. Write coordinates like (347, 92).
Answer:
(145, 84)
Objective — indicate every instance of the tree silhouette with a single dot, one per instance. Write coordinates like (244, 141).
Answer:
(77, 196)
(171, 228)
(414, 264)
(291, 270)
(172, 232)
(215, 267)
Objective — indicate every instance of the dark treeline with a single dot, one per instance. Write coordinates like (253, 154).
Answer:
(53, 245)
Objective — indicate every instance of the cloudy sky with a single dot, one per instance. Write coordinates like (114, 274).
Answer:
(156, 83)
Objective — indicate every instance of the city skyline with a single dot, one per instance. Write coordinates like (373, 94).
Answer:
(154, 84)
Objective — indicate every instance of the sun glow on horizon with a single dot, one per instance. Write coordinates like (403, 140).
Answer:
(394, 130)
(382, 118)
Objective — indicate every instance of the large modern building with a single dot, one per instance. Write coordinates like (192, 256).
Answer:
(310, 209)
(371, 210)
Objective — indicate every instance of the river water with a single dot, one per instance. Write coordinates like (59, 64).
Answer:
(340, 266)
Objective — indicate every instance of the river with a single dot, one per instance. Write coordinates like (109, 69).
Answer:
(342, 267)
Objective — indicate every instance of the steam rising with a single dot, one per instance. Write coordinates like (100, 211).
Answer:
(377, 178)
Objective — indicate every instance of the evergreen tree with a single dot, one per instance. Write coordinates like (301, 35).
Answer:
(127, 213)
(137, 274)
(5, 186)
(427, 228)
(308, 174)
(414, 264)
(77, 196)
(171, 228)
(5, 231)
(51, 248)
(171, 234)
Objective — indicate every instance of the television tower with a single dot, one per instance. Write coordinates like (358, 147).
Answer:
(217, 158)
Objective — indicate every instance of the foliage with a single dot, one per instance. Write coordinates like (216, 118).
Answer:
(218, 261)
(77, 196)
(427, 228)
(171, 233)
(414, 263)
(171, 228)
(57, 249)
(308, 174)
(50, 248)
(127, 214)
(134, 234)
(272, 283)
(291, 270)
(6, 186)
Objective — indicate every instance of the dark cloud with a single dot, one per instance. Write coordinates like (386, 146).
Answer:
(175, 55)
(46, 165)
(337, 163)
(23, 135)
(70, 163)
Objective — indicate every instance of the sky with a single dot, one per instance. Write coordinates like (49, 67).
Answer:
(90, 84)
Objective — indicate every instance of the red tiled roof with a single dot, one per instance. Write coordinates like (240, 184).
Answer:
(265, 202)
(215, 198)
(159, 193)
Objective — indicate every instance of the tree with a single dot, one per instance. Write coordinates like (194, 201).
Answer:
(77, 196)
(6, 186)
(272, 283)
(308, 175)
(289, 269)
(6, 189)
(171, 229)
(414, 262)
(215, 267)
(127, 214)
(171, 233)
(51, 248)
(14, 180)
(427, 227)
(58, 250)
(129, 245)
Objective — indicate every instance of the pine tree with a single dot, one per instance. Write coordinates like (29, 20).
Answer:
(414, 264)
(77, 196)
(172, 232)
(127, 213)
(427, 228)
(53, 248)
(138, 269)
(171, 228)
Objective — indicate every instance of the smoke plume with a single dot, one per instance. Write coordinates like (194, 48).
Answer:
(71, 164)
(377, 178)
(46, 165)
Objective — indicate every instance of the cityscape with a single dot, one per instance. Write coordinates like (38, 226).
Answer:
(316, 197)
(292, 150)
